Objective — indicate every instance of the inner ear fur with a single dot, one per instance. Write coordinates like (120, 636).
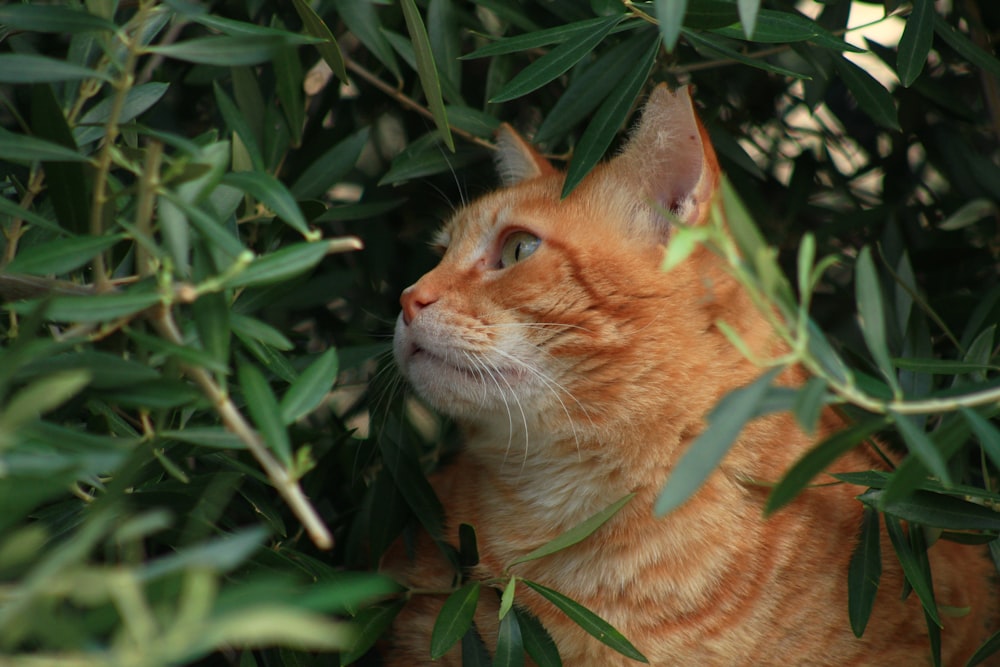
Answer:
(516, 159)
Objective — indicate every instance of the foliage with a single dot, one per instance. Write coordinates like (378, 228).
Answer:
(203, 448)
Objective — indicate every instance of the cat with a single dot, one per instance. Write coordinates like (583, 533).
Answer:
(578, 371)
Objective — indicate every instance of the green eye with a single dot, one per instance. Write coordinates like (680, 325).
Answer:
(517, 247)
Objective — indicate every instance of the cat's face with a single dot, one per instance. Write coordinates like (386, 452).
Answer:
(541, 307)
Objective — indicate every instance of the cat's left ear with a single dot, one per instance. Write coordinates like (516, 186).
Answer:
(516, 159)
(670, 154)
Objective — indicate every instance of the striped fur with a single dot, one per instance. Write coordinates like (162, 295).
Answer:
(580, 374)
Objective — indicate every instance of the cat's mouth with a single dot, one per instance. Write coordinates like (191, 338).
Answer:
(480, 371)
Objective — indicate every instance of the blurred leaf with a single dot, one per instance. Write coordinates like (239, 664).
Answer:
(106, 369)
(969, 214)
(212, 321)
(263, 408)
(371, 623)
(454, 619)
(273, 194)
(208, 436)
(557, 61)
(809, 403)
(216, 555)
(137, 101)
(259, 331)
(67, 181)
(186, 354)
(11, 209)
(92, 307)
(311, 387)
(748, 16)
(576, 534)
(24, 149)
(966, 47)
(61, 255)
(864, 573)
(871, 96)
(921, 446)
(510, 648)
(330, 167)
(328, 48)
(609, 118)
(670, 14)
(51, 18)
(537, 641)
(363, 21)
(702, 456)
(39, 397)
(25, 68)
(990, 647)
(474, 651)
(818, 459)
(941, 366)
(280, 265)
(589, 621)
(988, 434)
(224, 51)
(537, 39)
(915, 42)
(871, 313)
(427, 70)
(917, 577)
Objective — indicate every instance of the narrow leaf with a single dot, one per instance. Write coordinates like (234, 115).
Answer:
(507, 597)
(61, 255)
(280, 265)
(311, 387)
(537, 641)
(87, 308)
(137, 100)
(25, 68)
(809, 402)
(670, 14)
(989, 648)
(936, 510)
(263, 408)
(271, 192)
(510, 648)
(704, 454)
(711, 45)
(328, 48)
(988, 434)
(920, 445)
(454, 619)
(915, 42)
(966, 48)
(748, 16)
(864, 573)
(916, 576)
(427, 70)
(223, 51)
(871, 313)
(871, 96)
(589, 621)
(25, 149)
(362, 19)
(330, 167)
(577, 533)
(51, 18)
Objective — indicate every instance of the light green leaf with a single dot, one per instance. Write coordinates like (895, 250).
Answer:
(871, 314)
(871, 96)
(507, 597)
(263, 408)
(703, 455)
(61, 255)
(39, 397)
(670, 14)
(589, 621)
(273, 193)
(969, 214)
(280, 265)
(25, 68)
(915, 42)
(864, 573)
(311, 387)
(809, 402)
(427, 70)
(557, 61)
(748, 16)
(577, 533)
(920, 445)
(454, 619)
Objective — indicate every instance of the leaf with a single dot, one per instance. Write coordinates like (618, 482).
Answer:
(362, 20)
(576, 534)
(211, 229)
(329, 168)
(817, 460)
(288, 85)
(703, 455)
(537, 641)
(774, 27)
(915, 42)
(39, 397)
(106, 369)
(990, 647)
(915, 575)
(589, 621)
(137, 101)
(556, 62)
(748, 16)
(965, 47)
(224, 51)
(273, 193)
(24, 149)
(328, 48)
(87, 308)
(280, 265)
(712, 45)
(969, 214)
(208, 436)
(507, 598)
(263, 408)
(25, 68)
(311, 387)
(864, 573)
(510, 648)
(61, 255)
(51, 18)
(68, 182)
(609, 118)
(371, 624)
(935, 510)
(427, 70)
(537, 39)
(454, 619)
(474, 651)
(809, 402)
(988, 434)
(871, 314)
(871, 96)
(220, 554)
(259, 331)
(212, 321)
(920, 445)
(670, 14)
(189, 355)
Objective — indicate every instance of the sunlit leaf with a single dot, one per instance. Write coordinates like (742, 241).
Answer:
(748, 16)
(868, 292)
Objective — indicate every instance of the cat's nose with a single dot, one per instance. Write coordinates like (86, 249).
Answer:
(414, 299)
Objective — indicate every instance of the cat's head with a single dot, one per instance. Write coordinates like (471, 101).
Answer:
(551, 313)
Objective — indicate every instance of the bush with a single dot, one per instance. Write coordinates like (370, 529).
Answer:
(203, 447)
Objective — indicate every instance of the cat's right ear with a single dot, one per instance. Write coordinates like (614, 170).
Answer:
(516, 159)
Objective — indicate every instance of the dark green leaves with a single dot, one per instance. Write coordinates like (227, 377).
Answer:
(915, 43)
(872, 97)
(427, 70)
(455, 618)
(864, 573)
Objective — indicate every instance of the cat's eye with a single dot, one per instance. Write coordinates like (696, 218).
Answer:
(517, 247)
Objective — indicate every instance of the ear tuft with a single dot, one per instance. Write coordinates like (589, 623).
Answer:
(516, 159)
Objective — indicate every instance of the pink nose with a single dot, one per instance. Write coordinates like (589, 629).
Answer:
(414, 299)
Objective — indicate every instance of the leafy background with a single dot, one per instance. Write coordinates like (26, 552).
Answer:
(204, 448)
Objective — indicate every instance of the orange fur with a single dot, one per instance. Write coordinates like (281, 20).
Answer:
(580, 374)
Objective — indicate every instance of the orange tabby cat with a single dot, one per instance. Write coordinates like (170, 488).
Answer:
(579, 372)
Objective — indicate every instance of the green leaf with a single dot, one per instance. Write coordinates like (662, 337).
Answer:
(220, 554)
(871, 313)
(942, 366)
(87, 308)
(454, 619)
(988, 434)
(61, 255)
(329, 168)
(809, 402)
(288, 84)
(609, 118)
(24, 149)
(371, 624)
(328, 48)
(51, 18)
(427, 70)
(537, 641)
(670, 14)
(510, 647)
(207, 436)
(915, 42)
(817, 460)
(556, 62)
(212, 321)
(11, 209)
(864, 573)
(774, 27)
(223, 51)
(537, 39)
(263, 408)
(311, 387)
(989, 648)
(589, 621)
(419, 160)
(24, 68)
(273, 193)
(137, 100)
(106, 369)
(259, 331)
(474, 651)
(364, 211)
(709, 44)
(935, 510)
(507, 598)
(576, 534)
(362, 20)
(186, 354)
(68, 182)
(211, 229)
(921, 446)
(919, 578)
(871, 96)
(725, 422)
(965, 47)
(748, 16)
(280, 265)
(39, 397)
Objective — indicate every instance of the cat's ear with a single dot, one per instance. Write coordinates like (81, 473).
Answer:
(669, 153)
(516, 159)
